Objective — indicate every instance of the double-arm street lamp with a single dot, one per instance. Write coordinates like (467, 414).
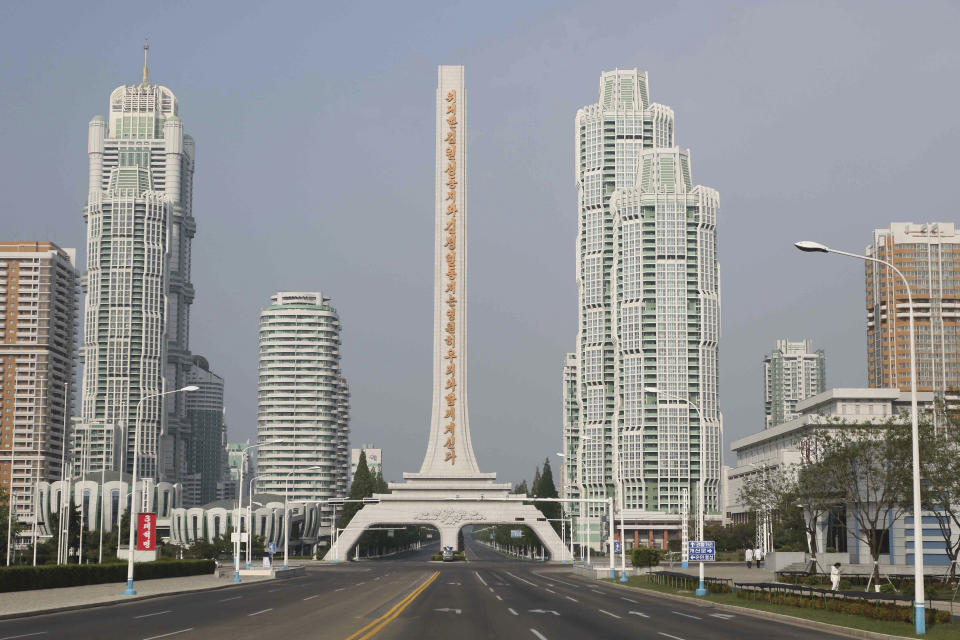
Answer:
(918, 595)
(238, 533)
(134, 507)
(701, 590)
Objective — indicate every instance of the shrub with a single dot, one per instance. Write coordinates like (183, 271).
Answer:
(23, 578)
(645, 557)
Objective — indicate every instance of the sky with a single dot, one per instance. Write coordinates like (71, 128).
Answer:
(314, 126)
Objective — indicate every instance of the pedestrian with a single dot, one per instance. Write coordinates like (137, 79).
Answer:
(758, 556)
(749, 558)
(216, 567)
(835, 576)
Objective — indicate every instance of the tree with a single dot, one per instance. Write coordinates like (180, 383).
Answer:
(361, 487)
(867, 468)
(14, 529)
(544, 487)
(814, 497)
(940, 485)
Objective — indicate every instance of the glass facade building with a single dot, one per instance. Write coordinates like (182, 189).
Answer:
(648, 284)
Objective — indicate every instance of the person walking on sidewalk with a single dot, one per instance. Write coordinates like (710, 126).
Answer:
(758, 556)
(835, 576)
(749, 557)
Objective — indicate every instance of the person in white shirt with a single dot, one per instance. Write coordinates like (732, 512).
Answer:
(758, 556)
(749, 558)
(835, 576)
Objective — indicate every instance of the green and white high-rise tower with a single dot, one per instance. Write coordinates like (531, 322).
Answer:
(641, 417)
(138, 293)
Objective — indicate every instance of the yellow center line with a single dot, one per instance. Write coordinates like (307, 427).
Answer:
(372, 628)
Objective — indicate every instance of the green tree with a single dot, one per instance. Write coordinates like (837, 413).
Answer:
(940, 486)
(362, 487)
(545, 488)
(867, 468)
(4, 514)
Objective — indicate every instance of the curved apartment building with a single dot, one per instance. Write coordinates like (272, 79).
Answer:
(302, 399)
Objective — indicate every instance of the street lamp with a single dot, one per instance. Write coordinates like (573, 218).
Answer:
(286, 512)
(581, 490)
(133, 497)
(701, 590)
(236, 551)
(249, 519)
(918, 595)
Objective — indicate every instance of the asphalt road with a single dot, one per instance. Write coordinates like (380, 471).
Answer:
(407, 597)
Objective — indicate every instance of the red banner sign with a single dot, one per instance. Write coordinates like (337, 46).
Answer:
(146, 531)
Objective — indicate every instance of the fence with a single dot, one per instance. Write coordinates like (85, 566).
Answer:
(684, 581)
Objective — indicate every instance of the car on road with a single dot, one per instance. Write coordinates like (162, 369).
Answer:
(448, 554)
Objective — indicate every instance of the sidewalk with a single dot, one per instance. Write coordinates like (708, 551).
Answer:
(17, 603)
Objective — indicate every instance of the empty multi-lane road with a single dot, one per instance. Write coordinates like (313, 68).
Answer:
(487, 597)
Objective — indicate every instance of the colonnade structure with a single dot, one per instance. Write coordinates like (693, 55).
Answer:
(449, 492)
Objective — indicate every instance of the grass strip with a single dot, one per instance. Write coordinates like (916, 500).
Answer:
(934, 632)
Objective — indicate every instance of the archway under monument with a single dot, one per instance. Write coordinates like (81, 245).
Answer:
(449, 492)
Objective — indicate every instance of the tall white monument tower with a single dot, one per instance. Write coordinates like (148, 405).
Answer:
(449, 491)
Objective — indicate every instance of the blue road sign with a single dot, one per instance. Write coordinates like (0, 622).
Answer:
(702, 551)
(616, 546)
(272, 549)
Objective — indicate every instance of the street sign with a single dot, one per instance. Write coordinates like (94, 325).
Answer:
(516, 533)
(238, 536)
(493, 536)
(702, 550)
(272, 548)
(616, 546)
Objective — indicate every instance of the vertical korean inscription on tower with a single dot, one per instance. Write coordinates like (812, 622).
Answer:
(450, 255)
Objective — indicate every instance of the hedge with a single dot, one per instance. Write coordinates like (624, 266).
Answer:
(21, 578)
(645, 557)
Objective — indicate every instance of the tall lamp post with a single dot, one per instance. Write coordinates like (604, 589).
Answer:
(701, 590)
(918, 594)
(134, 507)
(243, 459)
(584, 537)
(286, 512)
(249, 519)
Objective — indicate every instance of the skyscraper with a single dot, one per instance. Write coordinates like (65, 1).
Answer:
(138, 292)
(206, 436)
(648, 283)
(792, 372)
(929, 256)
(39, 290)
(302, 399)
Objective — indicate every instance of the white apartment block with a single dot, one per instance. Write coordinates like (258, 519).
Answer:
(138, 293)
(648, 285)
(791, 372)
(302, 400)
(374, 460)
(39, 301)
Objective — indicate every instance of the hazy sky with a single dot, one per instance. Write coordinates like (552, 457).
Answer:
(314, 128)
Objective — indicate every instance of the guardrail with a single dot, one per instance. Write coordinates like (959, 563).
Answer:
(684, 581)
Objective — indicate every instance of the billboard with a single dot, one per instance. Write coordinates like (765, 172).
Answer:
(146, 531)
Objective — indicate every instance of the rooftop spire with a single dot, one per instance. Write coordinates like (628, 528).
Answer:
(146, 48)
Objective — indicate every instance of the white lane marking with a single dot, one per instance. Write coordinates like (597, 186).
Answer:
(573, 599)
(538, 634)
(499, 598)
(508, 609)
(598, 591)
(377, 578)
(233, 598)
(340, 589)
(155, 613)
(629, 600)
(670, 636)
(687, 615)
(550, 590)
(25, 635)
(725, 616)
(250, 615)
(312, 597)
(569, 584)
(481, 578)
(172, 633)
(638, 613)
(491, 589)
(520, 579)
(612, 615)
(360, 583)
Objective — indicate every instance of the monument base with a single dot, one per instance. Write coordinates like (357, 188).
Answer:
(449, 504)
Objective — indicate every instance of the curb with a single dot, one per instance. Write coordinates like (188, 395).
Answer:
(107, 603)
(769, 615)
